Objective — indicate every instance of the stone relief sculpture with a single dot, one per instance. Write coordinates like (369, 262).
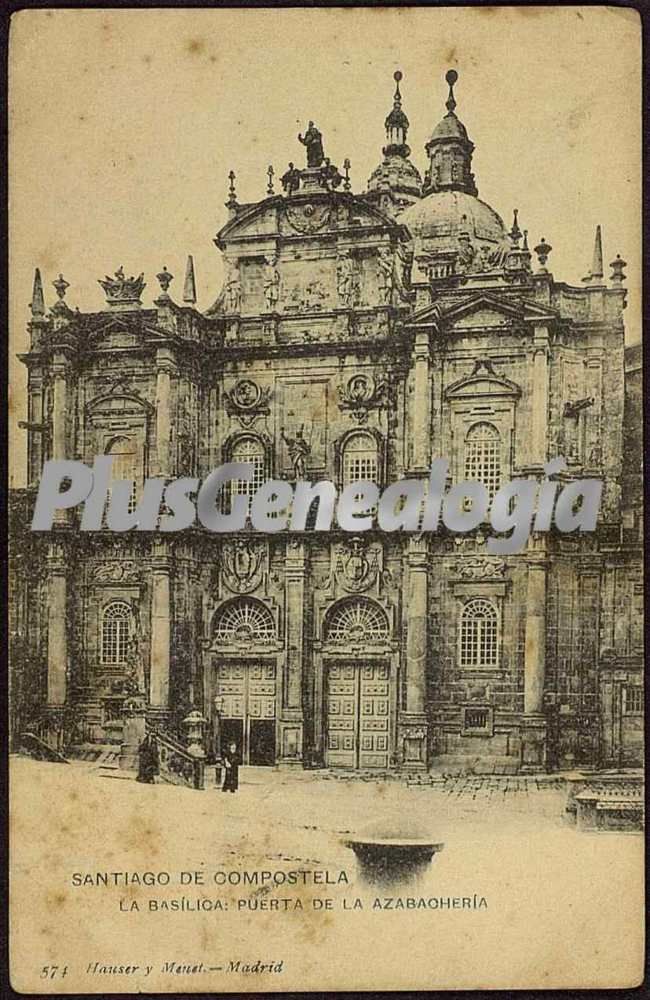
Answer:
(232, 287)
(346, 278)
(271, 282)
(298, 449)
(385, 269)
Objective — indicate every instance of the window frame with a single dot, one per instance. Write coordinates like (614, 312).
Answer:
(119, 641)
(477, 642)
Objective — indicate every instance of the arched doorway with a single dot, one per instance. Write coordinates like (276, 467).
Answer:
(358, 690)
(244, 681)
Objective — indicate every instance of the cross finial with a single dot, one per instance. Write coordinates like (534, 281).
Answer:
(451, 78)
(232, 195)
(269, 186)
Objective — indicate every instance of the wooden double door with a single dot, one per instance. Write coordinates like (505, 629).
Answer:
(248, 712)
(357, 708)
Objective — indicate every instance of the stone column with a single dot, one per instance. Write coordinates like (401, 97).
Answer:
(164, 371)
(291, 723)
(421, 404)
(36, 444)
(533, 727)
(539, 403)
(160, 631)
(57, 637)
(412, 729)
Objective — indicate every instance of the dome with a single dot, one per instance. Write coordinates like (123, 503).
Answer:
(449, 128)
(438, 219)
(396, 173)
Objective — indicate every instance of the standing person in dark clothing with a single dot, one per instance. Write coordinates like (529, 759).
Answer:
(231, 761)
(147, 761)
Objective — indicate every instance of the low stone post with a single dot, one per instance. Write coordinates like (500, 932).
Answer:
(134, 731)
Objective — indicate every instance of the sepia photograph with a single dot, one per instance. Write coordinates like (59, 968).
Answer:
(326, 599)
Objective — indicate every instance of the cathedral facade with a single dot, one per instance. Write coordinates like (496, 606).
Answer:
(356, 336)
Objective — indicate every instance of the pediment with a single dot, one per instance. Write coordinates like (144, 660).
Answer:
(483, 381)
(118, 400)
(482, 311)
(304, 215)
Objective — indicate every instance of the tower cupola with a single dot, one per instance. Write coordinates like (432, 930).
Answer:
(450, 151)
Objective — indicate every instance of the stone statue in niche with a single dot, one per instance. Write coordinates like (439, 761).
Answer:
(232, 288)
(298, 449)
(346, 284)
(385, 267)
(271, 282)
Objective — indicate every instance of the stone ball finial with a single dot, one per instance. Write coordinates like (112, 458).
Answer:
(451, 77)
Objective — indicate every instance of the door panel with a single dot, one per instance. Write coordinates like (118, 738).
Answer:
(358, 715)
(248, 692)
(374, 717)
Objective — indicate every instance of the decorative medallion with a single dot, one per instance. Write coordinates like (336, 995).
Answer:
(361, 394)
(307, 218)
(247, 400)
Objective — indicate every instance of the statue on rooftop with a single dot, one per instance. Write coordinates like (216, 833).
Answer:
(312, 140)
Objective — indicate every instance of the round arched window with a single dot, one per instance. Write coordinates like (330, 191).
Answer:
(116, 627)
(244, 621)
(357, 620)
(479, 634)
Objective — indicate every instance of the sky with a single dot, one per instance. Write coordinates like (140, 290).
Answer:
(124, 125)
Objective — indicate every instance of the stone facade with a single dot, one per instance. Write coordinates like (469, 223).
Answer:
(355, 336)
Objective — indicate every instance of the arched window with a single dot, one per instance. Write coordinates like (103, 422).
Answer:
(251, 451)
(479, 638)
(244, 620)
(360, 458)
(357, 620)
(483, 456)
(116, 628)
(127, 464)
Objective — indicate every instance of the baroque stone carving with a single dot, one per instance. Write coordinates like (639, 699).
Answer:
(481, 568)
(117, 572)
(356, 564)
(243, 564)
(361, 394)
(232, 288)
(347, 279)
(307, 218)
(247, 400)
(298, 449)
(385, 271)
(271, 282)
